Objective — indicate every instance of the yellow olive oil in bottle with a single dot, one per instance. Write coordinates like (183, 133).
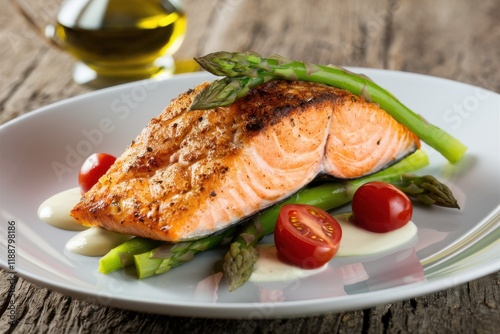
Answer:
(121, 38)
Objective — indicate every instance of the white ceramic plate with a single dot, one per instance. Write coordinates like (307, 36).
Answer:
(453, 246)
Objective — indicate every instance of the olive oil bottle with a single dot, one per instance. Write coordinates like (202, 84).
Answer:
(121, 38)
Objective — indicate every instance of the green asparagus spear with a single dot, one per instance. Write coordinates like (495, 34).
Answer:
(243, 66)
(427, 189)
(123, 255)
(226, 89)
(163, 258)
(242, 255)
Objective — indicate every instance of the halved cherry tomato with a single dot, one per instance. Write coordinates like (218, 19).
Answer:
(306, 236)
(93, 168)
(381, 207)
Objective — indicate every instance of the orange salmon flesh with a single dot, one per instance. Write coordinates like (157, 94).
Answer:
(190, 174)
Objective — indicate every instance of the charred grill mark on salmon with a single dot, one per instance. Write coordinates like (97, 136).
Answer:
(190, 174)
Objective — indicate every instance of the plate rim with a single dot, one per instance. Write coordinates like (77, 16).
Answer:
(230, 309)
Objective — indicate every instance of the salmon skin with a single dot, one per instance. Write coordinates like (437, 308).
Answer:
(190, 174)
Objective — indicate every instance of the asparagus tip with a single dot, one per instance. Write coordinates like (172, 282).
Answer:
(428, 190)
(238, 264)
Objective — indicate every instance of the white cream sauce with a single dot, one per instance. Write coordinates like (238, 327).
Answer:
(55, 210)
(95, 241)
(269, 268)
(355, 242)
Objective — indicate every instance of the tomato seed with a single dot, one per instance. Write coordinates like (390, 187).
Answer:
(316, 213)
(316, 237)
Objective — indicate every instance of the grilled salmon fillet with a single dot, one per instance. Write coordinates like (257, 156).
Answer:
(192, 173)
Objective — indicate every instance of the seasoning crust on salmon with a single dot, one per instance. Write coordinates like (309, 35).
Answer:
(193, 173)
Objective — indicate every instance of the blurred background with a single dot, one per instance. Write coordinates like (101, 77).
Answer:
(415, 36)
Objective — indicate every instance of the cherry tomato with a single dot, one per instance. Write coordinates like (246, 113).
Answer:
(381, 207)
(93, 168)
(306, 236)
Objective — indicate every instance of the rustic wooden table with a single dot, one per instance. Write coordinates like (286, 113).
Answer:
(459, 40)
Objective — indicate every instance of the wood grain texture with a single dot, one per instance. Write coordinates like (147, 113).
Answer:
(459, 40)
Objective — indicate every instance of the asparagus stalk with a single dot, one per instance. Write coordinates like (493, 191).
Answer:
(242, 255)
(249, 69)
(167, 256)
(123, 255)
